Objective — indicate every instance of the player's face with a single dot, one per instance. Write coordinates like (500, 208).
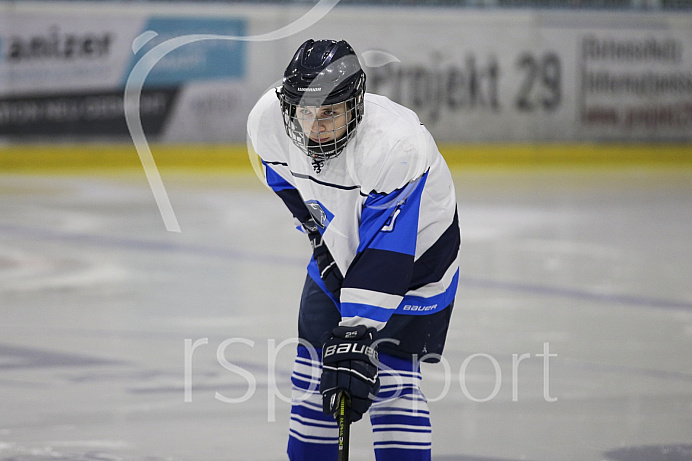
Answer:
(324, 123)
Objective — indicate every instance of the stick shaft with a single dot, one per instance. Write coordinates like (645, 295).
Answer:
(344, 427)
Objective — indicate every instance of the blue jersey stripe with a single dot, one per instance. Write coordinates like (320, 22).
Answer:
(409, 305)
(390, 221)
(417, 305)
(275, 180)
(384, 259)
(376, 313)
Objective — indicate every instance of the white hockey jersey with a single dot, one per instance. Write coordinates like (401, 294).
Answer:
(386, 208)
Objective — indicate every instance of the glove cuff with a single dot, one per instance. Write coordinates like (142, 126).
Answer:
(354, 333)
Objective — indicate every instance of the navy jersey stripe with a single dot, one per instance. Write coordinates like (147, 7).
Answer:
(433, 264)
(289, 194)
(294, 202)
(380, 270)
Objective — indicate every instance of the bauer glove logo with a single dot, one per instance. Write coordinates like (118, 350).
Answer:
(351, 349)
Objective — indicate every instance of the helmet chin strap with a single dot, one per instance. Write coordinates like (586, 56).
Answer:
(323, 149)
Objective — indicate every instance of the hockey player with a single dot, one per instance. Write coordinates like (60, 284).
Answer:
(365, 181)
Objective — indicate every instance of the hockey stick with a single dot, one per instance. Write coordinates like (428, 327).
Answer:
(344, 427)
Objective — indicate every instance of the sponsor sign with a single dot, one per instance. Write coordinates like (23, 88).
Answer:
(203, 59)
(471, 75)
(89, 113)
(63, 75)
(563, 78)
(635, 85)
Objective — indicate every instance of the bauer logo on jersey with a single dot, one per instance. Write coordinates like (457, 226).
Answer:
(417, 308)
(319, 213)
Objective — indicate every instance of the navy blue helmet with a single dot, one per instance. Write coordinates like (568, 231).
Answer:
(322, 97)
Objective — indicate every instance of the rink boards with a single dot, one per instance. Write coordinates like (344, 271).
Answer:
(29, 157)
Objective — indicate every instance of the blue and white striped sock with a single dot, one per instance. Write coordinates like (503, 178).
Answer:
(313, 436)
(399, 415)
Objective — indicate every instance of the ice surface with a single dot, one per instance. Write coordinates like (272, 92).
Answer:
(571, 337)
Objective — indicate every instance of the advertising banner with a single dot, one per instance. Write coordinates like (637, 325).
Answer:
(471, 75)
(635, 85)
(499, 76)
(63, 75)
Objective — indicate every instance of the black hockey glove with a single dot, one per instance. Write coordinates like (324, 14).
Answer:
(329, 271)
(349, 363)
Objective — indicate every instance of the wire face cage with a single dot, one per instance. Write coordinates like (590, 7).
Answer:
(322, 131)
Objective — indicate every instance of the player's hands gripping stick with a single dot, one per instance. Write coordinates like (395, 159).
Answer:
(349, 364)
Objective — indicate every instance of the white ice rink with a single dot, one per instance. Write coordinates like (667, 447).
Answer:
(571, 337)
